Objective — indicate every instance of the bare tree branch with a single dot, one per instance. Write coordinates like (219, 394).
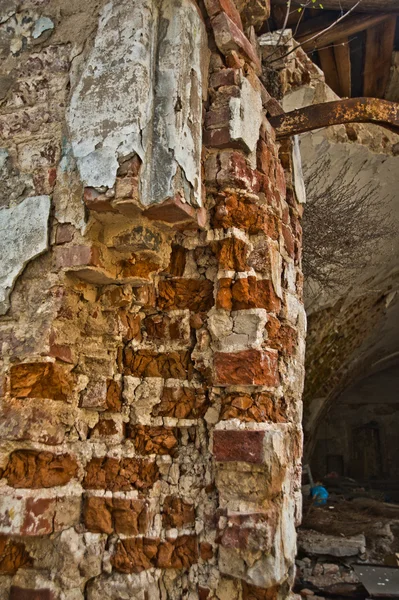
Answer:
(317, 35)
(343, 226)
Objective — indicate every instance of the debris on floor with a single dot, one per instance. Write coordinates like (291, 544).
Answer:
(339, 535)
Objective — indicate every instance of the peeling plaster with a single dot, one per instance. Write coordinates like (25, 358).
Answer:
(155, 57)
(23, 236)
(246, 116)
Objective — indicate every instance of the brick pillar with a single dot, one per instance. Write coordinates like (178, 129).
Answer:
(153, 355)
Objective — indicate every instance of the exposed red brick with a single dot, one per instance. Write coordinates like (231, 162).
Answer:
(13, 556)
(120, 475)
(230, 38)
(224, 298)
(144, 296)
(114, 395)
(130, 326)
(172, 211)
(214, 7)
(96, 201)
(181, 403)
(192, 294)
(138, 554)
(176, 513)
(203, 593)
(231, 169)
(221, 138)
(157, 326)
(177, 262)
(115, 515)
(141, 269)
(254, 293)
(104, 428)
(180, 553)
(289, 240)
(33, 469)
(225, 77)
(249, 367)
(18, 593)
(217, 118)
(281, 336)
(135, 555)
(176, 365)
(240, 212)
(231, 254)
(64, 233)
(256, 407)
(206, 551)
(127, 187)
(39, 516)
(130, 167)
(40, 380)
(154, 440)
(77, 256)
(238, 446)
(251, 592)
(246, 531)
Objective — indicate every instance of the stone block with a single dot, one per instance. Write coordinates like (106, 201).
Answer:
(249, 367)
(317, 544)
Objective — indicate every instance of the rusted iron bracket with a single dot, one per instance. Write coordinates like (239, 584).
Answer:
(352, 110)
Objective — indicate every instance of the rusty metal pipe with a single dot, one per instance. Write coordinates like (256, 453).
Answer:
(352, 110)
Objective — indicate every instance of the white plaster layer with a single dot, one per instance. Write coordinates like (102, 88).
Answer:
(141, 91)
(246, 115)
(23, 235)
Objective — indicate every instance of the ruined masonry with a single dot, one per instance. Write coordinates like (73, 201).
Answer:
(152, 326)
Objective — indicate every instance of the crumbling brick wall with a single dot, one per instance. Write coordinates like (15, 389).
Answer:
(152, 354)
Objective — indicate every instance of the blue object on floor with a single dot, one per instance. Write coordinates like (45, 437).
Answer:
(319, 495)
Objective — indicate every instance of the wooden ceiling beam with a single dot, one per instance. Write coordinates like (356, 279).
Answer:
(352, 110)
(353, 24)
(380, 41)
(329, 67)
(368, 6)
(342, 54)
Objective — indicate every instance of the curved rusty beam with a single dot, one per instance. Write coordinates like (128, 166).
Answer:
(352, 110)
